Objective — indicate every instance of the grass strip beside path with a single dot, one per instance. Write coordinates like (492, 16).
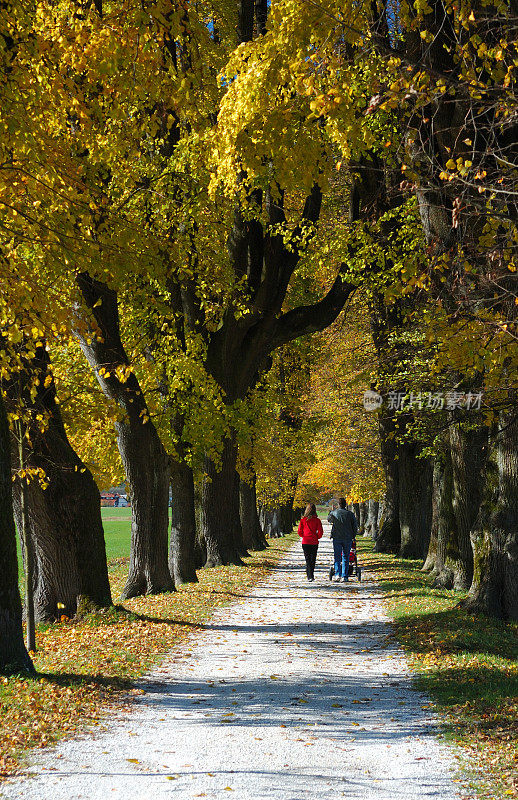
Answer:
(85, 665)
(467, 664)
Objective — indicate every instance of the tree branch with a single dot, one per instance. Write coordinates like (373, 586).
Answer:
(105, 353)
(316, 317)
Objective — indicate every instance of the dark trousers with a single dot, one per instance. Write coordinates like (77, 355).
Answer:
(310, 554)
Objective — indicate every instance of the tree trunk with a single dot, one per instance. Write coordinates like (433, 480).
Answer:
(286, 518)
(237, 529)
(28, 561)
(298, 511)
(356, 512)
(69, 555)
(200, 548)
(277, 522)
(363, 518)
(13, 655)
(468, 456)
(182, 560)
(147, 469)
(252, 532)
(430, 565)
(144, 459)
(389, 536)
(494, 590)
(219, 508)
(265, 520)
(415, 501)
(70, 573)
(371, 524)
(446, 526)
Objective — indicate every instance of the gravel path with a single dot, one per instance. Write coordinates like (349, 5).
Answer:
(292, 693)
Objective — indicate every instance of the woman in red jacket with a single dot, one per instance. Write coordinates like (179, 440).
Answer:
(310, 529)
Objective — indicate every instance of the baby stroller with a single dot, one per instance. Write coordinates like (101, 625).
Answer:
(354, 568)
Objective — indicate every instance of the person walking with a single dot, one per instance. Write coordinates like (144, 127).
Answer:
(310, 529)
(344, 529)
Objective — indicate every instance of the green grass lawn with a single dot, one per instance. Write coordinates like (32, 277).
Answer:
(117, 532)
(467, 663)
(117, 535)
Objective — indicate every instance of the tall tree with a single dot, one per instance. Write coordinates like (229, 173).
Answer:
(494, 589)
(13, 655)
(143, 455)
(63, 502)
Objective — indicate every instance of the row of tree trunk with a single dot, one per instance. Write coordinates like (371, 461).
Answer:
(65, 552)
(458, 511)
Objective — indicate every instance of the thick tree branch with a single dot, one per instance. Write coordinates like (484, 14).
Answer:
(281, 260)
(316, 317)
(313, 204)
(106, 353)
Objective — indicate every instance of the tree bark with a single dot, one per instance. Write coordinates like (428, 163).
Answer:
(468, 456)
(430, 564)
(200, 548)
(389, 536)
(446, 525)
(182, 557)
(220, 508)
(286, 517)
(70, 573)
(13, 655)
(28, 561)
(415, 501)
(459, 498)
(147, 469)
(237, 529)
(252, 532)
(363, 518)
(494, 590)
(371, 525)
(144, 459)
(277, 522)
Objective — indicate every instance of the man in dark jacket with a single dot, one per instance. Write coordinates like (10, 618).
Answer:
(344, 529)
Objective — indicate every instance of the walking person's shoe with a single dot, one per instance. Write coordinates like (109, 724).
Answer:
(337, 579)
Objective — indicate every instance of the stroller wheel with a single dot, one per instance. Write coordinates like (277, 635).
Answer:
(359, 574)
(331, 573)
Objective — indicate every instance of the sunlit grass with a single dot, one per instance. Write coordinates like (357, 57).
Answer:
(467, 664)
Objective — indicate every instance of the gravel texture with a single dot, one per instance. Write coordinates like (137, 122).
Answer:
(295, 692)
